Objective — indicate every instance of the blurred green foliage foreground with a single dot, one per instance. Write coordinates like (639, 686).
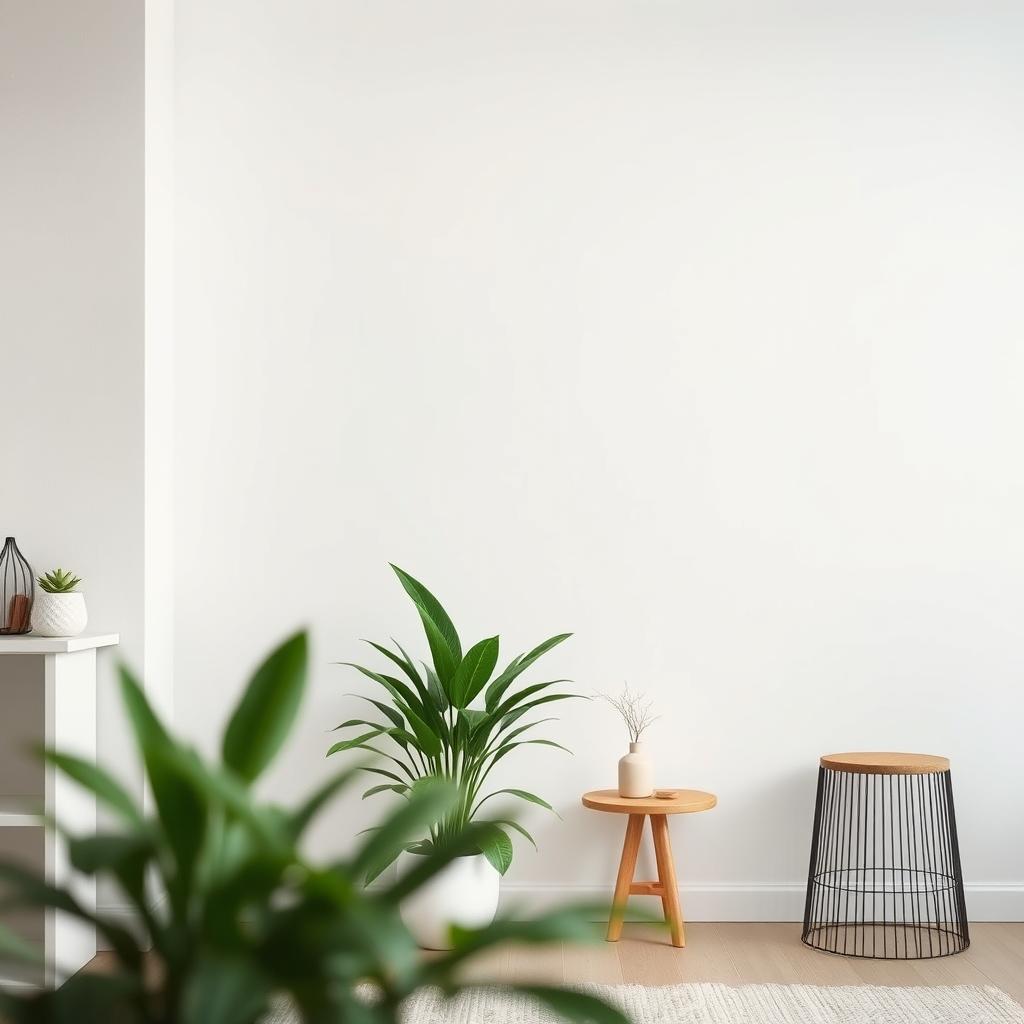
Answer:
(242, 916)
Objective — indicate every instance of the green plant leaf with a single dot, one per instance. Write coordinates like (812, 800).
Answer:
(369, 748)
(496, 846)
(429, 741)
(425, 705)
(517, 698)
(387, 787)
(400, 660)
(573, 1005)
(522, 794)
(13, 947)
(148, 729)
(436, 690)
(478, 726)
(93, 778)
(58, 582)
(435, 859)
(379, 771)
(362, 721)
(109, 851)
(473, 672)
(181, 805)
(428, 801)
(222, 790)
(575, 923)
(519, 828)
(400, 693)
(313, 804)
(395, 717)
(514, 716)
(517, 666)
(264, 716)
(404, 739)
(24, 889)
(127, 857)
(356, 743)
(506, 748)
(442, 637)
(529, 725)
(89, 996)
(225, 990)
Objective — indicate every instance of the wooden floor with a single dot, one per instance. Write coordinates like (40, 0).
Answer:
(747, 954)
(751, 953)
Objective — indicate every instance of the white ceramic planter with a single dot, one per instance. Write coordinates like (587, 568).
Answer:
(636, 773)
(58, 614)
(464, 893)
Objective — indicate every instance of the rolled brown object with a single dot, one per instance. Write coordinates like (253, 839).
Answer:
(17, 614)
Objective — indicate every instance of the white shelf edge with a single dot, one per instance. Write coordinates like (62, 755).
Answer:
(21, 820)
(29, 643)
(20, 985)
(20, 812)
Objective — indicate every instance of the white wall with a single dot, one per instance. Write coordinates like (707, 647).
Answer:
(158, 385)
(71, 313)
(86, 294)
(694, 328)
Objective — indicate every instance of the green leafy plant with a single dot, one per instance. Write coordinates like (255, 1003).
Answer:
(246, 916)
(58, 582)
(432, 729)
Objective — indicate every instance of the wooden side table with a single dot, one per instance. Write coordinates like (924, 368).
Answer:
(683, 801)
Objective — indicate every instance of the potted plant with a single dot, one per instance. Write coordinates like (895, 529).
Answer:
(452, 719)
(60, 609)
(248, 919)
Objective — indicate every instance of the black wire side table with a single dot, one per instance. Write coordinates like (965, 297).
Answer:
(885, 880)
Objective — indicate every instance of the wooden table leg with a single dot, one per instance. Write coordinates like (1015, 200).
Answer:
(627, 868)
(667, 878)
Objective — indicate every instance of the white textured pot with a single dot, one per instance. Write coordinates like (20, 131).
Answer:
(636, 773)
(464, 893)
(58, 614)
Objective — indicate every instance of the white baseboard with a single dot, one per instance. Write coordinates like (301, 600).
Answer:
(725, 901)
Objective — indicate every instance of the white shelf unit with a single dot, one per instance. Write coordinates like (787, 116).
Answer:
(48, 698)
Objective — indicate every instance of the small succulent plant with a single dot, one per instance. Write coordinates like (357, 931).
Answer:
(58, 582)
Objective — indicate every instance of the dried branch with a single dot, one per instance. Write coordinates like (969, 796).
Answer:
(635, 710)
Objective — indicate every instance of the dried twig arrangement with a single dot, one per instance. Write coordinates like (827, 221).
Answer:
(635, 710)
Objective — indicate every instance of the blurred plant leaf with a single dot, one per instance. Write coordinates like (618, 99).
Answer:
(574, 1005)
(427, 802)
(264, 715)
(93, 778)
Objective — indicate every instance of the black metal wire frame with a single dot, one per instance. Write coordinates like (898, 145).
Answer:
(16, 589)
(885, 880)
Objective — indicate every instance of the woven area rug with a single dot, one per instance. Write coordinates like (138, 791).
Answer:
(732, 1004)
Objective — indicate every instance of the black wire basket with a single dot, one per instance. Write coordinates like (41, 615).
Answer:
(17, 588)
(885, 879)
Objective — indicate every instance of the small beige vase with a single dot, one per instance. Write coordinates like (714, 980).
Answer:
(636, 773)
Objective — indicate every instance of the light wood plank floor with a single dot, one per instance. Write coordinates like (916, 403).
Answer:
(750, 953)
(745, 954)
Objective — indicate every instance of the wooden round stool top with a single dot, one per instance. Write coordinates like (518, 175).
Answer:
(885, 763)
(682, 801)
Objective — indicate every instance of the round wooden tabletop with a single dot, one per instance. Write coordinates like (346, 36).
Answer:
(682, 801)
(885, 763)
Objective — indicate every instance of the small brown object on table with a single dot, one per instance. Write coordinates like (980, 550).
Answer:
(17, 615)
(682, 801)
